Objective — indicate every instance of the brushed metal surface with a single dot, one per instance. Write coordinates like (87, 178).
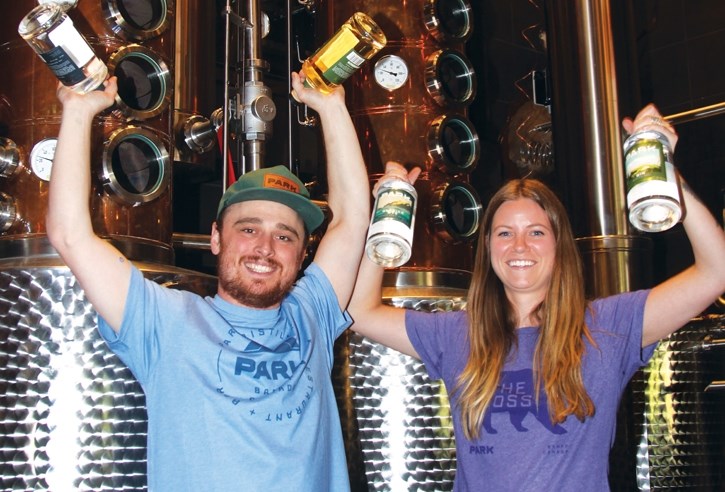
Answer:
(72, 416)
(682, 428)
(397, 421)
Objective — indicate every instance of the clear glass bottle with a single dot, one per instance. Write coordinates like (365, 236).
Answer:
(653, 192)
(356, 41)
(390, 235)
(52, 35)
(66, 5)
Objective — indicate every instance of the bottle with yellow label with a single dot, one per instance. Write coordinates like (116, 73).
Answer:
(357, 40)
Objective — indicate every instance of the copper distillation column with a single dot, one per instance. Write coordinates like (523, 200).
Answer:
(397, 422)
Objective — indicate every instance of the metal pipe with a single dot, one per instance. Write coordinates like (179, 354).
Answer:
(253, 36)
(601, 124)
(257, 108)
(225, 136)
(587, 139)
(709, 342)
(716, 385)
(182, 240)
(696, 114)
(290, 106)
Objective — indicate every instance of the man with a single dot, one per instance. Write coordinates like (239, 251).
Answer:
(237, 386)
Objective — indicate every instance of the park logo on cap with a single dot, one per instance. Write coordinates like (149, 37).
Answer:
(280, 182)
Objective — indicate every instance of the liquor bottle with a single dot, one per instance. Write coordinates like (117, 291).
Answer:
(653, 192)
(390, 235)
(356, 41)
(52, 35)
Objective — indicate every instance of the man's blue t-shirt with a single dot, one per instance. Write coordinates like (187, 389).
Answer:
(238, 399)
(519, 449)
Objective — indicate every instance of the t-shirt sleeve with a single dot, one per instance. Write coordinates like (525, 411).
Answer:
(137, 342)
(624, 314)
(314, 287)
(438, 338)
(108, 334)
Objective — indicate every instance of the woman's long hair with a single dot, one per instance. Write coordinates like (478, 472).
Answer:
(493, 321)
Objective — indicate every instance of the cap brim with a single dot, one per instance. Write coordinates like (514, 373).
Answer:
(310, 213)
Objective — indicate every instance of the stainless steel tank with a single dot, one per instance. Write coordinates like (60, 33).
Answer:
(73, 415)
(681, 432)
(396, 421)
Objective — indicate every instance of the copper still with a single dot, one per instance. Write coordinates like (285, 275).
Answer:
(397, 421)
(422, 123)
(131, 195)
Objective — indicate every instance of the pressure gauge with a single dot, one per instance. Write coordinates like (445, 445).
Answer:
(41, 158)
(391, 72)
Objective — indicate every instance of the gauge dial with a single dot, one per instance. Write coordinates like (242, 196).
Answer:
(391, 72)
(41, 158)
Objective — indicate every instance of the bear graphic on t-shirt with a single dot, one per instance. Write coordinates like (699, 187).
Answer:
(515, 396)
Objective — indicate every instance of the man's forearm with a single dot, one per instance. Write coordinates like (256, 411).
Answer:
(347, 177)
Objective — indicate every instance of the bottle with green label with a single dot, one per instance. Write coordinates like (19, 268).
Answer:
(653, 192)
(390, 235)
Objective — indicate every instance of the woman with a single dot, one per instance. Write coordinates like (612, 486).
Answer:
(534, 371)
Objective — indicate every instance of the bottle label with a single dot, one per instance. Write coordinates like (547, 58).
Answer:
(62, 66)
(70, 53)
(338, 58)
(341, 71)
(67, 37)
(645, 161)
(655, 187)
(394, 204)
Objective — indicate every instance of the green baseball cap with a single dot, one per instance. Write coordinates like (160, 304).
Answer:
(276, 184)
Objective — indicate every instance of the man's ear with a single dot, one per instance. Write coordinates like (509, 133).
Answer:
(215, 242)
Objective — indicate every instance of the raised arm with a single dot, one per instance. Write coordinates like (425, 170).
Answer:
(677, 300)
(341, 247)
(100, 269)
(373, 319)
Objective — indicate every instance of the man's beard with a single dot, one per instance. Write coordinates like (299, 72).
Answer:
(251, 293)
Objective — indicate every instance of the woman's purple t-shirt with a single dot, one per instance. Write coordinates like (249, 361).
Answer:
(519, 449)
